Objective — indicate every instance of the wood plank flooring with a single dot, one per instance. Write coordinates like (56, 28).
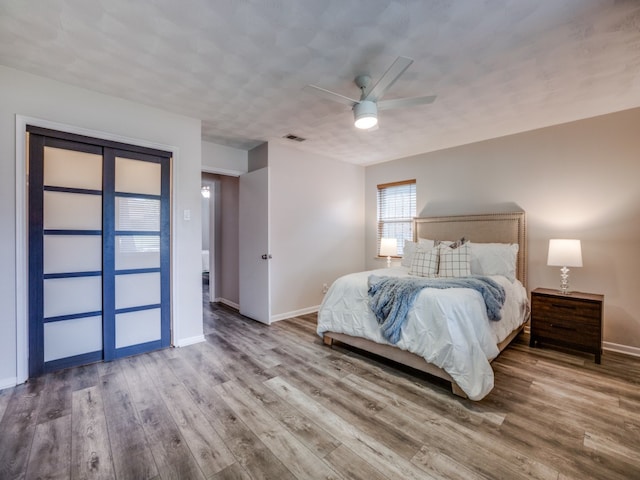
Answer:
(259, 402)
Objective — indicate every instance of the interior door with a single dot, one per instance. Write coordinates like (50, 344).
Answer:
(65, 253)
(136, 251)
(255, 257)
(99, 250)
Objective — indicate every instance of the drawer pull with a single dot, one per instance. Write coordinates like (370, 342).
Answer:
(561, 305)
(562, 327)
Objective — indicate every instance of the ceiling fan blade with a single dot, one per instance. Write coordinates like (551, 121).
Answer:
(389, 77)
(405, 102)
(336, 97)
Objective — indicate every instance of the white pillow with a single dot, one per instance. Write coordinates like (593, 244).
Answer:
(425, 263)
(494, 259)
(426, 243)
(454, 262)
(408, 252)
(411, 247)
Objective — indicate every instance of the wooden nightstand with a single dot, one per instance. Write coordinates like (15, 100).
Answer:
(573, 321)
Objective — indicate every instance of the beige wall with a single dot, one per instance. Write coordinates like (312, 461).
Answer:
(316, 229)
(227, 278)
(576, 180)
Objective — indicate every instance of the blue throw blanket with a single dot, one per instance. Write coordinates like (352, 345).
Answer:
(391, 298)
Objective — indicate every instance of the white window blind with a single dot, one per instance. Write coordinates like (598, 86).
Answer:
(396, 209)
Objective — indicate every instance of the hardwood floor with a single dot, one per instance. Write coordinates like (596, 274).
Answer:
(258, 402)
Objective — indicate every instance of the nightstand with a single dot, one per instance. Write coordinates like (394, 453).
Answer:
(573, 321)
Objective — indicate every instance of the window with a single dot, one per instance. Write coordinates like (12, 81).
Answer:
(396, 209)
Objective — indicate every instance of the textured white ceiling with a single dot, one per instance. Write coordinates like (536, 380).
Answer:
(497, 66)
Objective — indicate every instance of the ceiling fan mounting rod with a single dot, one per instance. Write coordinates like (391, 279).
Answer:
(363, 82)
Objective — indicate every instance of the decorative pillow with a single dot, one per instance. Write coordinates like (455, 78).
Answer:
(449, 243)
(454, 262)
(494, 259)
(458, 243)
(410, 248)
(425, 263)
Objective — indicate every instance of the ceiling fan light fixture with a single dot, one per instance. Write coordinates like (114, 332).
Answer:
(365, 114)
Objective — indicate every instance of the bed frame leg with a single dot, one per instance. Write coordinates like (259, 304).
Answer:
(327, 340)
(457, 390)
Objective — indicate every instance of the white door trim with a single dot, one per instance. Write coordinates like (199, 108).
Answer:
(22, 277)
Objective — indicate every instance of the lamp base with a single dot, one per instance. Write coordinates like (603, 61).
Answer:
(388, 262)
(564, 281)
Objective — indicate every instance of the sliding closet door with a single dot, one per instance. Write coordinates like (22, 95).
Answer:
(137, 253)
(98, 253)
(65, 258)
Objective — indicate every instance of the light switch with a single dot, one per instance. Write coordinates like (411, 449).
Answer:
(187, 215)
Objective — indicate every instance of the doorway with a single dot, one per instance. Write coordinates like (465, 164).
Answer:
(220, 238)
(99, 250)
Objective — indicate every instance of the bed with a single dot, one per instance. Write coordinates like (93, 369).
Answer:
(447, 332)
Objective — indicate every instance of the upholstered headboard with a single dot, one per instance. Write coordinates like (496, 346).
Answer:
(485, 228)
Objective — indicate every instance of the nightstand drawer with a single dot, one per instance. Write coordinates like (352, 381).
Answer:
(567, 318)
(566, 331)
(559, 309)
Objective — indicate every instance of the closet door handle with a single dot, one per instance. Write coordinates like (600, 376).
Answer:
(267, 256)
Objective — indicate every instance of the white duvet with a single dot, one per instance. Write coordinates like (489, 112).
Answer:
(447, 327)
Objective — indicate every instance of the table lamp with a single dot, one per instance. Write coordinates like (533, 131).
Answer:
(564, 253)
(388, 248)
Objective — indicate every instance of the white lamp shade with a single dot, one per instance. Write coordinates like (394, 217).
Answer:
(564, 253)
(388, 247)
(365, 114)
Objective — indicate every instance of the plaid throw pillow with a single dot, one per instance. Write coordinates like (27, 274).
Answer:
(425, 263)
(454, 262)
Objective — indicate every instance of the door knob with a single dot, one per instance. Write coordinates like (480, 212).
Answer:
(267, 256)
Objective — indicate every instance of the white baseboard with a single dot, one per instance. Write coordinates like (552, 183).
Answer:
(185, 342)
(8, 382)
(228, 303)
(304, 311)
(626, 349)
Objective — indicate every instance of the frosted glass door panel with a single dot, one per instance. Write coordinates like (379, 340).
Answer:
(137, 289)
(67, 296)
(136, 176)
(71, 169)
(137, 327)
(72, 253)
(137, 251)
(72, 211)
(137, 214)
(68, 338)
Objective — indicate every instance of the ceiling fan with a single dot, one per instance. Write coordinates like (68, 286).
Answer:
(365, 110)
